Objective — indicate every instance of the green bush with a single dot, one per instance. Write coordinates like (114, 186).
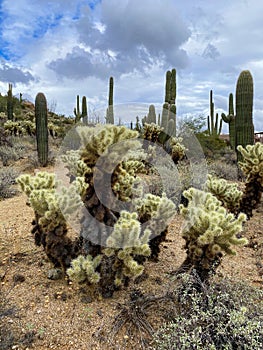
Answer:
(212, 146)
(225, 315)
(7, 179)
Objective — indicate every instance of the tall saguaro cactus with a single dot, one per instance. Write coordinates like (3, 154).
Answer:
(109, 112)
(169, 107)
(244, 111)
(230, 119)
(41, 128)
(214, 129)
(9, 105)
(83, 113)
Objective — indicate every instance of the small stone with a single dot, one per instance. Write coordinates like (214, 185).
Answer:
(54, 274)
(18, 278)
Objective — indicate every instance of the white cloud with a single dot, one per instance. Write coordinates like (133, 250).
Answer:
(69, 47)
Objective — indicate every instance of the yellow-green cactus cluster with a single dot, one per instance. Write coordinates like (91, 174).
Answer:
(52, 207)
(125, 242)
(228, 193)
(96, 142)
(74, 164)
(157, 211)
(209, 230)
(252, 163)
(84, 269)
(14, 127)
(125, 179)
(42, 180)
(151, 132)
(3, 115)
(177, 147)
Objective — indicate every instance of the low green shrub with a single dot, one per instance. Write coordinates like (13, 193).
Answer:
(225, 315)
(7, 180)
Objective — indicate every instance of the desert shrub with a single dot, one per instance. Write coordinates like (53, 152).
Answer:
(8, 154)
(225, 315)
(223, 169)
(7, 180)
(14, 150)
(212, 146)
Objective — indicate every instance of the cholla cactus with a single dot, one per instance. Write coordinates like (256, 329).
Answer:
(209, 231)
(84, 269)
(124, 179)
(156, 212)
(227, 193)
(74, 164)
(96, 141)
(151, 132)
(252, 167)
(178, 150)
(52, 209)
(127, 242)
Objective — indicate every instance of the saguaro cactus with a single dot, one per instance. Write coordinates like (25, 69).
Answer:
(41, 128)
(244, 111)
(151, 118)
(109, 113)
(83, 113)
(169, 107)
(212, 122)
(230, 119)
(9, 104)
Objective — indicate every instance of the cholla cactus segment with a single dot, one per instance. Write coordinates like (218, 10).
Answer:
(84, 269)
(156, 211)
(209, 229)
(124, 179)
(74, 163)
(178, 149)
(97, 140)
(127, 242)
(42, 180)
(52, 207)
(151, 132)
(252, 163)
(252, 167)
(227, 193)
(127, 233)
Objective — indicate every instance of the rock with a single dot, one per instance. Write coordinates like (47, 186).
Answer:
(54, 274)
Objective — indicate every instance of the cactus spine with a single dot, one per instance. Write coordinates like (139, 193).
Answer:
(9, 106)
(41, 128)
(83, 114)
(244, 111)
(109, 112)
(214, 129)
(230, 119)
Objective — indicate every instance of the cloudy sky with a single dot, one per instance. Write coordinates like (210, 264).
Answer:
(69, 47)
